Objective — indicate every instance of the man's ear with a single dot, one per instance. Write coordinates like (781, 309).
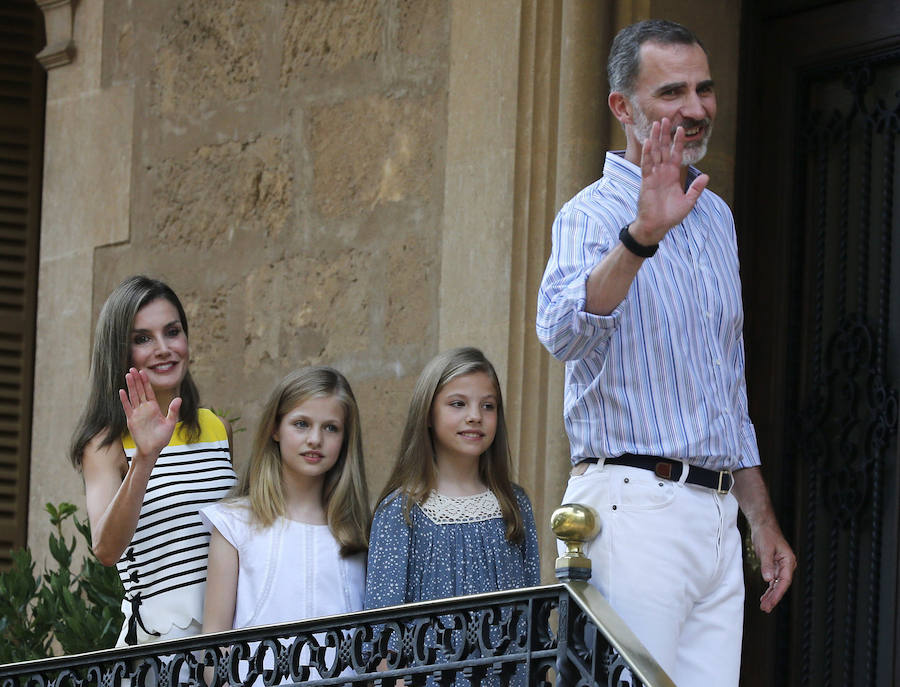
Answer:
(620, 106)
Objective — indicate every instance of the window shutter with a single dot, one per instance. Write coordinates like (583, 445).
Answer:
(22, 96)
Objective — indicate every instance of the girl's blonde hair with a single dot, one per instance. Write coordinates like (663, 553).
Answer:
(344, 494)
(415, 474)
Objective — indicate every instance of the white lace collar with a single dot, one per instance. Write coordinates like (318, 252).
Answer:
(454, 510)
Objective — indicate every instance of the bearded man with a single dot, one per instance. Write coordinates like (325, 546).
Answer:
(642, 299)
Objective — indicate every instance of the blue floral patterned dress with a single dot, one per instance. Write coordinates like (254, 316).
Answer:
(455, 546)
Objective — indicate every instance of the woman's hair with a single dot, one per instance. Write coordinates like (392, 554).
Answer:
(415, 472)
(344, 493)
(111, 358)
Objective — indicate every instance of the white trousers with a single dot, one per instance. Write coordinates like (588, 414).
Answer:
(668, 559)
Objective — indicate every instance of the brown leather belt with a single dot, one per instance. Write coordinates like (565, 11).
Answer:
(719, 481)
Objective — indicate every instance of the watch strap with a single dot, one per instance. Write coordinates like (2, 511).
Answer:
(633, 246)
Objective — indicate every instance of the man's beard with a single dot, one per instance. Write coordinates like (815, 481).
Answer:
(693, 151)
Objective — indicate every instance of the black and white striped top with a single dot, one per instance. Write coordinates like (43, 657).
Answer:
(163, 569)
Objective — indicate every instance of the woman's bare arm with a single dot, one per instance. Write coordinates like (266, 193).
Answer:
(115, 489)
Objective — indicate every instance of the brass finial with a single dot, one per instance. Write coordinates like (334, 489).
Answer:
(574, 524)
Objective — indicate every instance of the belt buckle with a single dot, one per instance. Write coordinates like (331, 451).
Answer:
(722, 474)
(663, 470)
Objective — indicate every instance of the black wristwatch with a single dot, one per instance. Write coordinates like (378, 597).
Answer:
(638, 249)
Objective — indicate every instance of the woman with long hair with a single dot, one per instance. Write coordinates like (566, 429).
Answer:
(151, 457)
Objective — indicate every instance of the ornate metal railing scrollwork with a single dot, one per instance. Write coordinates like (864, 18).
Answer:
(564, 634)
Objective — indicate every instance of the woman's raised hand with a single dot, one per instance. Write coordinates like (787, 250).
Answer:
(150, 431)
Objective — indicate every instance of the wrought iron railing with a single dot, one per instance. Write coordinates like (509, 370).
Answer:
(565, 634)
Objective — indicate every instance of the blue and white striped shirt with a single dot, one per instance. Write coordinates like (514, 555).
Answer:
(663, 374)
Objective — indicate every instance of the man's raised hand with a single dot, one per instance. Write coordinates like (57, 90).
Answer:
(663, 202)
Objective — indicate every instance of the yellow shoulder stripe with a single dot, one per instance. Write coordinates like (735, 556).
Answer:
(211, 429)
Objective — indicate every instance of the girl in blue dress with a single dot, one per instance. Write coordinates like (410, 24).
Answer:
(449, 521)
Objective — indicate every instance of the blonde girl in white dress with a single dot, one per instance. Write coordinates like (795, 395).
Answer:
(291, 544)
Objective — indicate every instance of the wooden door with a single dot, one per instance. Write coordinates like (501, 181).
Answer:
(818, 206)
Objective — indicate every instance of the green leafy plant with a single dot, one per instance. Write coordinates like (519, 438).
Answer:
(79, 611)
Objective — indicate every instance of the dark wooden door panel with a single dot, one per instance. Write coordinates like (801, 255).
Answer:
(818, 202)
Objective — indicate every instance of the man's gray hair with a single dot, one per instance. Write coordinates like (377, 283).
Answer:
(625, 54)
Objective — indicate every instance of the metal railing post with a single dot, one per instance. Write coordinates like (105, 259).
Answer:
(574, 524)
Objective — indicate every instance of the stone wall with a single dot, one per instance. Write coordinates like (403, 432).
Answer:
(288, 182)
(285, 177)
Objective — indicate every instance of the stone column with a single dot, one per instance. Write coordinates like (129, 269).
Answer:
(87, 168)
(478, 224)
(526, 130)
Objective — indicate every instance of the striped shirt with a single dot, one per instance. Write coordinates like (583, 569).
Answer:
(663, 374)
(165, 563)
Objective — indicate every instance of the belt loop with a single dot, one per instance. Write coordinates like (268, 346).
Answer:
(722, 475)
(685, 470)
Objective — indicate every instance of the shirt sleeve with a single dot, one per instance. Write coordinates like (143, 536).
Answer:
(226, 519)
(563, 325)
(530, 548)
(389, 555)
(749, 446)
